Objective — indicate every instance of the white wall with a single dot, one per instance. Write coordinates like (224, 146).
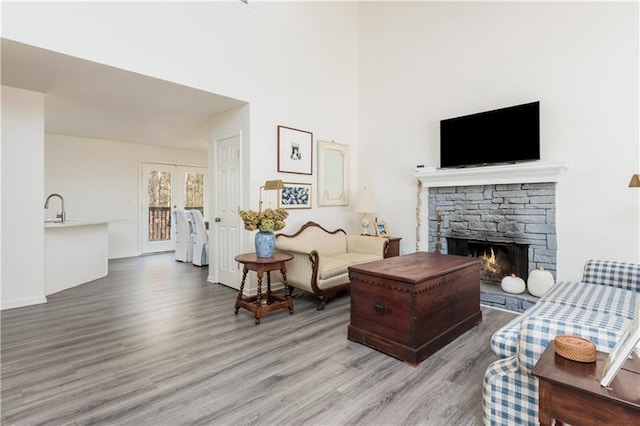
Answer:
(100, 180)
(399, 68)
(295, 63)
(422, 62)
(22, 198)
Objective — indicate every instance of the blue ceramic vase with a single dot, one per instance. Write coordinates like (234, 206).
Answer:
(265, 244)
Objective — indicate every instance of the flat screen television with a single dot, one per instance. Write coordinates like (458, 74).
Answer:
(504, 135)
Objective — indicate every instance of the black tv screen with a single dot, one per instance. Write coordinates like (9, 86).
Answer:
(503, 135)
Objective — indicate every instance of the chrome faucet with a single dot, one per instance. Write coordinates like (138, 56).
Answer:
(61, 215)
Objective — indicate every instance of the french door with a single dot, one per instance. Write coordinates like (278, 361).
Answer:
(166, 187)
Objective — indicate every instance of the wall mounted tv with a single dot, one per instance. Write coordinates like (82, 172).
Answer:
(505, 135)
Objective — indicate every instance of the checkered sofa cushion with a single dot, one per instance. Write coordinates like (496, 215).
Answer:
(536, 333)
(598, 305)
(612, 273)
(595, 297)
(598, 309)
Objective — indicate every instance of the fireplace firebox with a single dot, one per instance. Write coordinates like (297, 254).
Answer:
(499, 259)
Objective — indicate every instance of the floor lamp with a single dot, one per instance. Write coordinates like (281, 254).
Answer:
(270, 185)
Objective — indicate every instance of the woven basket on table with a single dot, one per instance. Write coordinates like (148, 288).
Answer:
(575, 348)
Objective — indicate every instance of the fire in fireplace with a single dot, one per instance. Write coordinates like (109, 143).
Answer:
(489, 262)
(498, 259)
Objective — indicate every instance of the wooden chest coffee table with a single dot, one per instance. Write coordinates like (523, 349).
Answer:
(412, 305)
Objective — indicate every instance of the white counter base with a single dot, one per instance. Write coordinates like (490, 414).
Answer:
(74, 253)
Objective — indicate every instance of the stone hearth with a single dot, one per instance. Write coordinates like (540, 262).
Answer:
(491, 295)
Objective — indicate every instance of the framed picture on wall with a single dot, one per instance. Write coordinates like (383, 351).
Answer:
(295, 151)
(295, 196)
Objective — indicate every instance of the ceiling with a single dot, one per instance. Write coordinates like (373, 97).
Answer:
(92, 100)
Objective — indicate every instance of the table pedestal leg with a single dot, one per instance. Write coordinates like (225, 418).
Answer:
(287, 290)
(239, 298)
(269, 288)
(259, 299)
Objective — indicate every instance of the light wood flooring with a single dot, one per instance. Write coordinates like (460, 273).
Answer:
(154, 344)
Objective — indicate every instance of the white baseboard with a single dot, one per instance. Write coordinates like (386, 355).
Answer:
(19, 303)
(124, 254)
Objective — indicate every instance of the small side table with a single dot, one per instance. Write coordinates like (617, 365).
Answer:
(257, 304)
(570, 391)
(393, 249)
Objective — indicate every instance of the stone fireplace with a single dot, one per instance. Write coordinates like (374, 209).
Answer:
(505, 215)
(516, 222)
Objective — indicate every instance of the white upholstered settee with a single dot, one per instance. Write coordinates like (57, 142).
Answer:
(322, 258)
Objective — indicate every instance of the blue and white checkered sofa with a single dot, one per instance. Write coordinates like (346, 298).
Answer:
(599, 308)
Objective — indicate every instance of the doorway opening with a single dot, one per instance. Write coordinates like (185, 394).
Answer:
(167, 187)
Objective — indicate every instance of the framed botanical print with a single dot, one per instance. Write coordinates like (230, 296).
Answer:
(295, 196)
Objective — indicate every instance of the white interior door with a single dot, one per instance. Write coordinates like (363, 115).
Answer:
(227, 221)
(167, 187)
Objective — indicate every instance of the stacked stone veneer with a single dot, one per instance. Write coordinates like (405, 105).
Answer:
(514, 213)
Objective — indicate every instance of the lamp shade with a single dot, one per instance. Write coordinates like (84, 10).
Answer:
(635, 181)
(271, 185)
(365, 202)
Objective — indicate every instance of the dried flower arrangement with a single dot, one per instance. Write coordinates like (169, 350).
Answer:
(268, 220)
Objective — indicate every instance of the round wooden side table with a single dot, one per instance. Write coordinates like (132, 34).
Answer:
(259, 304)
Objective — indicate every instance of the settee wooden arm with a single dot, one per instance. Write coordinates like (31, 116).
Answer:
(327, 293)
(314, 257)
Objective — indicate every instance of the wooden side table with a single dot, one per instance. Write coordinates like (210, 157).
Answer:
(259, 304)
(393, 248)
(570, 391)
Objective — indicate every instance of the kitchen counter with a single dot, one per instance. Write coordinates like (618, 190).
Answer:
(73, 222)
(75, 252)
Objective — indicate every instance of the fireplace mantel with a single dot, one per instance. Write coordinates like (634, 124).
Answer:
(530, 172)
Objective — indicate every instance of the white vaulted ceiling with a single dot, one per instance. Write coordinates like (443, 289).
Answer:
(88, 99)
